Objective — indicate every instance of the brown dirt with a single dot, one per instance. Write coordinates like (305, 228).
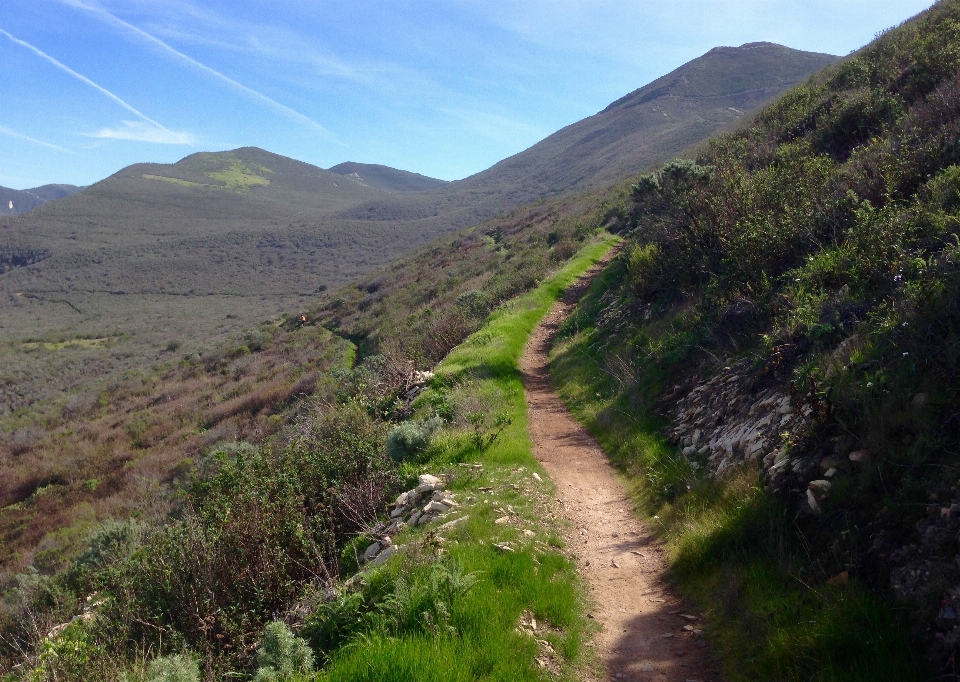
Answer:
(642, 635)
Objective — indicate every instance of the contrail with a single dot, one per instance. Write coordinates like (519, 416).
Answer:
(292, 113)
(13, 133)
(84, 79)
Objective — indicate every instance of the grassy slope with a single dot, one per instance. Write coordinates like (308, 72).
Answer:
(816, 249)
(765, 622)
(484, 371)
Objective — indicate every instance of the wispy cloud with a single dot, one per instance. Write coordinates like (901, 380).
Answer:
(20, 136)
(138, 131)
(66, 69)
(259, 96)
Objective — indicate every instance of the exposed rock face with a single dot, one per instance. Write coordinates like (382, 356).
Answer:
(732, 419)
(721, 423)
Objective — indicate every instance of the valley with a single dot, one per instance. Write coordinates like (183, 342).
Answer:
(670, 395)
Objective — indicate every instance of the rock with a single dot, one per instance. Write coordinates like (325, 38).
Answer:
(820, 488)
(830, 473)
(402, 499)
(372, 551)
(786, 409)
(828, 463)
(529, 533)
(434, 507)
(861, 456)
(382, 557)
(502, 520)
(414, 518)
(425, 519)
(399, 511)
(450, 524)
(689, 450)
(427, 479)
(812, 501)
(919, 400)
(537, 478)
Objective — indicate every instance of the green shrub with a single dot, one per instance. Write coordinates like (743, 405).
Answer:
(178, 668)
(408, 439)
(282, 655)
(643, 267)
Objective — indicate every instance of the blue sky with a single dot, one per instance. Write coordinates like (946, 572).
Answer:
(444, 88)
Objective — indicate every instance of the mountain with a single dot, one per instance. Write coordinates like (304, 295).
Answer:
(17, 201)
(386, 178)
(651, 124)
(160, 254)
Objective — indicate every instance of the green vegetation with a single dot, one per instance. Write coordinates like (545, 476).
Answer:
(261, 530)
(815, 251)
(239, 177)
(215, 243)
(174, 181)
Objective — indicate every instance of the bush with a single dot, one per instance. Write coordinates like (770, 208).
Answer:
(643, 267)
(178, 668)
(282, 655)
(407, 439)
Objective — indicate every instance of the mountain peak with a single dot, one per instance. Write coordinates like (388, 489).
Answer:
(386, 178)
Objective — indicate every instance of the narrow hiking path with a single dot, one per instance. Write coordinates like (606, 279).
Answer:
(648, 633)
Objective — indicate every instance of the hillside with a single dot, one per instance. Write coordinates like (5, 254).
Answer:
(386, 178)
(191, 252)
(773, 361)
(651, 124)
(17, 201)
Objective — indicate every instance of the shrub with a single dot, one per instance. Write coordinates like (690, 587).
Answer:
(407, 439)
(282, 655)
(643, 267)
(177, 668)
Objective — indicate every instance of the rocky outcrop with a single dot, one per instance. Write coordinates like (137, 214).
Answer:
(419, 506)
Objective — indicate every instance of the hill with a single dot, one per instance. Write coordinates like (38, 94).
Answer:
(786, 305)
(386, 178)
(16, 201)
(650, 125)
(191, 252)
(788, 296)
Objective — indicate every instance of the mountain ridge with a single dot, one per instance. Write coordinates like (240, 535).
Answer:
(19, 201)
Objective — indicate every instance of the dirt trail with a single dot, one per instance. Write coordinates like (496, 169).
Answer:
(643, 634)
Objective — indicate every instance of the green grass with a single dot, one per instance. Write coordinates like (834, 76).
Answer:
(173, 181)
(732, 546)
(102, 342)
(238, 177)
(483, 374)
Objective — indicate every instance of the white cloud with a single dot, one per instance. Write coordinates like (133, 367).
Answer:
(138, 131)
(20, 136)
(66, 69)
(153, 40)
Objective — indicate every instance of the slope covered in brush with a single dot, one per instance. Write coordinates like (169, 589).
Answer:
(812, 255)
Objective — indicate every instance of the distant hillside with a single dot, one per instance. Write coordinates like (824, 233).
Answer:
(162, 254)
(386, 178)
(651, 124)
(17, 201)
